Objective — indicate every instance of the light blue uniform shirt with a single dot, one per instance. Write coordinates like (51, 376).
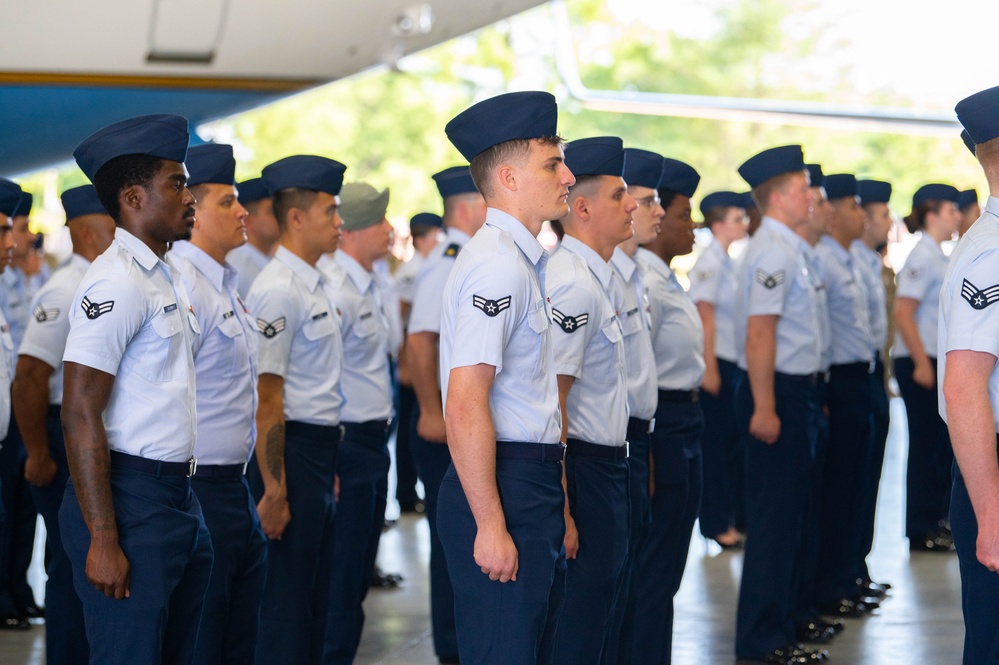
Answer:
(365, 383)
(425, 314)
(495, 312)
(969, 301)
(774, 279)
(131, 318)
(870, 264)
(822, 302)
(636, 323)
(713, 281)
(247, 261)
(18, 291)
(920, 279)
(405, 276)
(300, 337)
(7, 359)
(225, 358)
(846, 294)
(588, 343)
(677, 331)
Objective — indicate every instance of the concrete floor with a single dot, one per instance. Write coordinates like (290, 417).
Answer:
(919, 623)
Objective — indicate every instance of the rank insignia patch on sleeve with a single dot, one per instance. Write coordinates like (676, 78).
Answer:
(569, 323)
(979, 298)
(452, 250)
(95, 309)
(491, 307)
(270, 328)
(770, 281)
(42, 315)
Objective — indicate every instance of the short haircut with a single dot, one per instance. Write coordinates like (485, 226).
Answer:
(198, 190)
(762, 192)
(452, 202)
(292, 197)
(121, 173)
(482, 165)
(715, 214)
(583, 182)
(666, 196)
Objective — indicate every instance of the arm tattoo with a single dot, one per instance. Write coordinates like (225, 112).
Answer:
(275, 451)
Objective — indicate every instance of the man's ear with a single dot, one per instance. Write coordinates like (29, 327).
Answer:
(507, 177)
(580, 207)
(133, 197)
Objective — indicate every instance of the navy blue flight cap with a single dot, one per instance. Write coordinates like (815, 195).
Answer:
(163, 136)
(252, 190)
(748, 202)
(771, 163)
(966, 198)
(10, 196)
(968, 143)
(600, 155)
(873, 191)
(426, 219)
(679, 177)
(24, 205)
(840, 185)
(934, 192)
(723, 199)
(508, 117)
(211, 163)
(306, 171)
(80, 201)
(815, 176)
(453, 181)
(979, 114)
(643, 168)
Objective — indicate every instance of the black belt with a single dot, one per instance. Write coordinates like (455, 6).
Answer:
(375, 426)
(640, 426)
(298, 428)
(853, 369)
(679, 396)
(55, 411)
(538, 452)
(155, 467)
(813, 379)
(221, 470)
(587, 449)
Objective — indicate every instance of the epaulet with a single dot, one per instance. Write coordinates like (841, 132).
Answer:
(452, 250)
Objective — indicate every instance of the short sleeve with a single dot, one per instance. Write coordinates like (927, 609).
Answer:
(914, 280)
(428, 294)
(278, 315)
(48, 327)
(489, 303)
(704, 281)
(770, 280)
(576, 317)
(974, 310)
(106, 313)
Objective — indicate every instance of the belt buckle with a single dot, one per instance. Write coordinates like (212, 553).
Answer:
(562, 448)
(627, 449)
(244, 467)
(652, 426)
(871, 366)
(192, 467)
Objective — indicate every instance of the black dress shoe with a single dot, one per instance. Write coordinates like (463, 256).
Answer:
(777, 656)
(418, 507)
(844, 608)
(837, 626)
(32, 611)
(815, 633)
(14, 623)
(810, 655)
(383, 580)
(871, 589)
(870, 604)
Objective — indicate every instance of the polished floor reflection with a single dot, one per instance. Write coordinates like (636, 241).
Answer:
(919, 623)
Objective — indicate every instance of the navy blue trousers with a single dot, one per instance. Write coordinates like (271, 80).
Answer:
(617, 645)
(597, 490)
(880, 410)
(432, 462)
(662, 554)
(927, 476)
(811, 524)
(979, 585)
(721, 501)
(296, 593)
(163, 535)
(17, 534)
(777, 497)
(503, 623)
(405, 463)
(362, 464)
(65, 632)
(846, 471)
(231, 619)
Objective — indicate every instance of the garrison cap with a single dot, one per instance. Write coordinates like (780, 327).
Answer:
(508, 117)
(816, 177)
(453, 181)
(771, 163)
(966, 198)
(211, 163)
(968, 143)
(162, 136)
(80, 201)
(24, 205)
(979, 114)
(840, 185)
(361, 205)
(643, 168)
(600, 155)
(934, 192)
(723, 199)
(426, 219)
(10, 196)
(873, 191)
(679, 177)
(313, 172)
(252, 190)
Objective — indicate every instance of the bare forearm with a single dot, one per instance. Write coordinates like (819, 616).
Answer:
(707, 312)
(271, 438)
(905, 322)
(90, 467)
(31, 404)
(971, 421)
(761, 358)
(422, 358)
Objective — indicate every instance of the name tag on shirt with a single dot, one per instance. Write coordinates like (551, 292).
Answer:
(228, 314)
(320, 316)
(170, 308)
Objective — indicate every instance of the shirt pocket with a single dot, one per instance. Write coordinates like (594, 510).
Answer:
(367, 324)
(161, 350)
(539, 323)
(232, 343)
(319, 326)
(605, 352)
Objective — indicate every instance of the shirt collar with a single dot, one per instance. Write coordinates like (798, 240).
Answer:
(930, 242)
(527, 243)
(308, 274)
(842, 255)
(782, 231)
(717, 248)
(139, 250)
(457, 236)
(625, 264)
(213, 271)
(597, 265)
(355, 271)
(992, 206)
(78, 261)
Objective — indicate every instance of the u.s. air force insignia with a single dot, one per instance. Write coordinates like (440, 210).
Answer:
(569, 323)
(270, 328)
(979, 298)
(491, 307)
(452, 250)
(770, 281)
(42, 315)
(95, 309)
